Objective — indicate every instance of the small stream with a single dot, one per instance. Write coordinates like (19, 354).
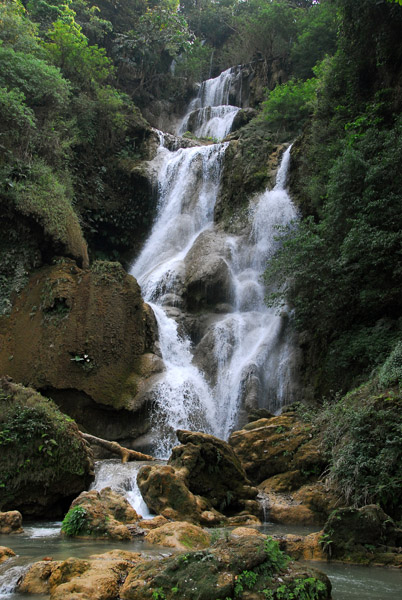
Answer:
(43, 539)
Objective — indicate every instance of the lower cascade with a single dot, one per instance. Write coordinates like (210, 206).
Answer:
(242, 360)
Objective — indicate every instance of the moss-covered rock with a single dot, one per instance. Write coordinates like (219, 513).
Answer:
(5, 553)
(104, 514)
(203, 481)
(86, 337)
(229, 569)
(180, 535)
(44, 461)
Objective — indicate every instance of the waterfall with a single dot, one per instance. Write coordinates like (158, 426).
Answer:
(244, 342)
(210, 114)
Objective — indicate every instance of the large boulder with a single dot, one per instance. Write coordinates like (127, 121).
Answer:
(180, 535)
(351, 531)
(44, 461)
(88, 339)
(282, 444)
(222, 571)
(203, 481)
(104, 514)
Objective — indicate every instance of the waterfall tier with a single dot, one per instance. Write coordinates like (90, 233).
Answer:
(224, 351)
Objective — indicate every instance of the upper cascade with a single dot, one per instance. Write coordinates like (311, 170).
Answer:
(210, 114)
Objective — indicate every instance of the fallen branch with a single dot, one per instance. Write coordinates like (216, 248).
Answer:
(125, 454)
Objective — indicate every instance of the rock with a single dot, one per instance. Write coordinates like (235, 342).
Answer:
(87, 337)
(303, 547)
(243, 117)
(180, 535)
(105, 514)
(208, 279)
(242, 531)
(213, 573)
(360, 530)
(149, 524)
(5, 554)
(10, 522)
(44, 461)
(202, 482)
(277, 445)
(98, 578)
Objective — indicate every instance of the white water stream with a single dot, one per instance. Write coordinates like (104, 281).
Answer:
(246, 342)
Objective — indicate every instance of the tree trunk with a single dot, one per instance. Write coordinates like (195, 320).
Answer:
(125, 454)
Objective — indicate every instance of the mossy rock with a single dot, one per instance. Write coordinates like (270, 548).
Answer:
(44, 461)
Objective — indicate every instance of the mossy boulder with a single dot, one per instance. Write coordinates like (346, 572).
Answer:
(44, 461)
(279, 445)
(351, 532)
(105, 514)
(227, 569)
(202, 483)
(88, 339)
(5, 553)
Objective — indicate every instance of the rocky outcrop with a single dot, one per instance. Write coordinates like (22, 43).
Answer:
(218, 571)
(202, 482)
(88, 339)
(5, 554)
(44, 462)
(98, 578)
(10, 522)
(358, 531)
(104, 514)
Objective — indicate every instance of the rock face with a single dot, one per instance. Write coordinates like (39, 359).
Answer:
(44, 461)
(10, 522)
(104, 514)
(202, 482)
(281, 455)
(88, 339)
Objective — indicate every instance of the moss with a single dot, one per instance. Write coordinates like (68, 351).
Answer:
(42, 453)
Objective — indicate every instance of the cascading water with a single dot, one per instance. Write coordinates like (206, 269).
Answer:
(250, 357)
(210, 114)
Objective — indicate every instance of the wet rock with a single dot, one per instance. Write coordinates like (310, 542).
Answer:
(304, 547)
(202, 480)
(5, 553)
(87, 337)
(10, 522)
(149, 524)
(98, 578)
(180, 535)
(208, 279)
(105, 514)
(213, 573)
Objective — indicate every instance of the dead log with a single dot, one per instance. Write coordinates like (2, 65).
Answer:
(125, 454)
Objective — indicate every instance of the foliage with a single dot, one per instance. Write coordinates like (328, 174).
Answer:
(362, 435)
(75, 522)
(390, 372)
(289, 105)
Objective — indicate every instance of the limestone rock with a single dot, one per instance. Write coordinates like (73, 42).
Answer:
(303, 547)
(98, 578)
(10, 522)
(202, 480)
(5, 553)
(106, 514)
(212, 574)
(277, 445)
(180, 535)
(149, 524)
(88, 338)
